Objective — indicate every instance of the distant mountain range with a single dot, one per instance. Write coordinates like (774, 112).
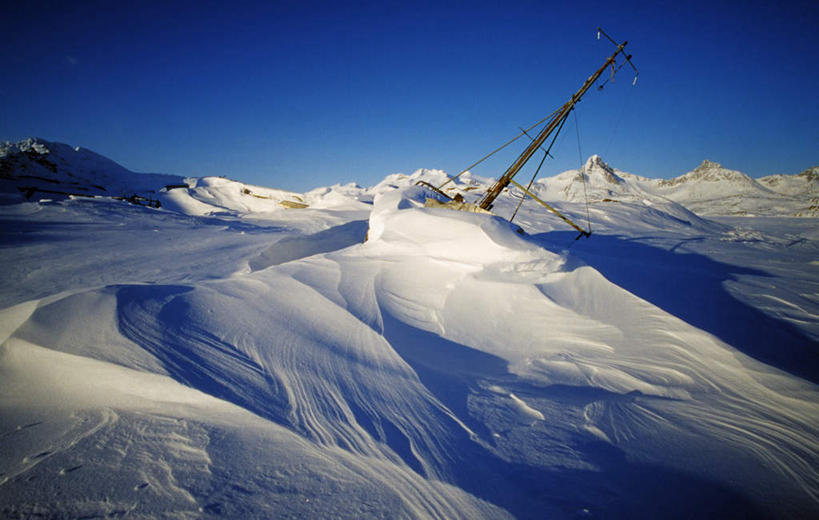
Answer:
(713, 190)
(708, 190)
(35, 169)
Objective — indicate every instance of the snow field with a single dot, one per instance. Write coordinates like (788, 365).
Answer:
(251, 362)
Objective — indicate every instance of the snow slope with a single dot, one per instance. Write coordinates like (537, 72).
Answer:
(598, 182)
(800, 184)
(708, 190)
(713, 190)
(36, 169)
(259, 361)
(56, 169)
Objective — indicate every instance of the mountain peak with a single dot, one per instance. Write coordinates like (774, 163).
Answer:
(708, 165)
(35, 145)
(595, 165)
(811, 174)
(709, 171)
(596, 161)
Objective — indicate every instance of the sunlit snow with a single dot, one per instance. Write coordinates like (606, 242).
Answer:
(234, 354)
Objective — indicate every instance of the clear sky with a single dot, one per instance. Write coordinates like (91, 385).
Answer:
(303, 94)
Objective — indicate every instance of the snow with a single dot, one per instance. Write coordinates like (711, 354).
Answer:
(800, 184)
(58, 167)
(708, 190)
(712, 190)
(366, 356)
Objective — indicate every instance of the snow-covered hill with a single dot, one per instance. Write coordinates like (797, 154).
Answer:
(34, 169)
(708, 190)
(713, 190)
(231, 356)
(805, 183)
(598, 182)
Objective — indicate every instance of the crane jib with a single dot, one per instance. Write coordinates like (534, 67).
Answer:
(561, 114)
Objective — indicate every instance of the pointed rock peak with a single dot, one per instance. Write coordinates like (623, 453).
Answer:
(31, 145)
(595, 161)
(708, 165)
(596, 166)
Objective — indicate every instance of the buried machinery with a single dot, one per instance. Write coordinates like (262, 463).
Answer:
(554, 124)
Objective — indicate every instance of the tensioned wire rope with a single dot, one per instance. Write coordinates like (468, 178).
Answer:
(582, 171)
(504, 145)
(551, 116)
(545, 155)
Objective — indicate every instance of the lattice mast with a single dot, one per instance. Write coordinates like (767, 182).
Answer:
(554, 123)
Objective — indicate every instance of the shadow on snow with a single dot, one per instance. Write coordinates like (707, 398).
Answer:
(301, 246)
(155, 317)
(617, 488)
(691, 287)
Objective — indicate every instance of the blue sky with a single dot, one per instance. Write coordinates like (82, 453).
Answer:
(303, 94)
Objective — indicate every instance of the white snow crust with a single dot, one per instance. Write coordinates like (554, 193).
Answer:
(227, 355)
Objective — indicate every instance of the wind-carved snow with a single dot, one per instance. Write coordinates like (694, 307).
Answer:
(258, 362)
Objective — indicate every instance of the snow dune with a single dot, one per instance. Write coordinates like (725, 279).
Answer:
(271, 363)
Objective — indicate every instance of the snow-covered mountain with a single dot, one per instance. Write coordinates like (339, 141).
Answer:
(805, 183)
(708, 190)
(35, 168)
(711, 189)
(598, 182)
(243, 352)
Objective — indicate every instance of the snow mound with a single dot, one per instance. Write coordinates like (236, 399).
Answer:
(347, 196)
(222, 194)
(400, 222)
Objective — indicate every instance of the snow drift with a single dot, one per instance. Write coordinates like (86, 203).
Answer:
(259, 361)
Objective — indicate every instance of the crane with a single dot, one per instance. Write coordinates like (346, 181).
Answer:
(554, 124)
